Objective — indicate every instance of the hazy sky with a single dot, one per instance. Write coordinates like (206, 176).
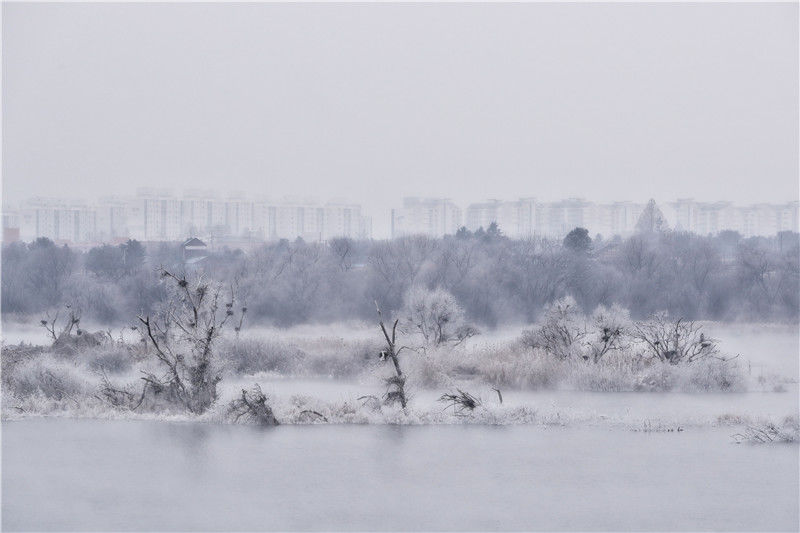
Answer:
(373, 102)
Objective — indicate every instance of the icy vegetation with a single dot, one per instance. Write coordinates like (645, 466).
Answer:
(786, 431)
(495, 280)
(423, 343)
(135, 373)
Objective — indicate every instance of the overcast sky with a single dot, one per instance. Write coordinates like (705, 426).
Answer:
(375, 102)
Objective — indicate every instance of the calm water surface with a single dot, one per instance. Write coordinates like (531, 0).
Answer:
(133, 475)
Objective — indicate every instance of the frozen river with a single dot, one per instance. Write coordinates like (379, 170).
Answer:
(70, 474)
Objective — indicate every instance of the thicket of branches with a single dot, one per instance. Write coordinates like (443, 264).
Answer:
(492, 278)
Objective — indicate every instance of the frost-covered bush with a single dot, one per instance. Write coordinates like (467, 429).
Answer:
(713, 374)
(562, 332)
(114, 358)
(338, 357)
(50, 378)
(511, 365)
(436, 316)
(249, 356)
(317, 356)
(786, 431)
(516, 365)
(609, 331)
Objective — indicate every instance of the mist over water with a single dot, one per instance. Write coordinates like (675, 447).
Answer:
(207, 477)
(316, 336)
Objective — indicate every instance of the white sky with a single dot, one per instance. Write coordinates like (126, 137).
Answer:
(374, 102)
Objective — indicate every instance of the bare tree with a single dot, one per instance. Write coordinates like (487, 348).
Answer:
(396, 383)
(342, 251)
(73, 320)
(181, 338)
(563, 330)
(681, 341)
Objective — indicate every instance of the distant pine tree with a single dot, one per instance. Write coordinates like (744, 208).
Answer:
(651, 220)
(578, 240)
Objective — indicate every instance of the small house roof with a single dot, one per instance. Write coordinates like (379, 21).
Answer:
(193, 241)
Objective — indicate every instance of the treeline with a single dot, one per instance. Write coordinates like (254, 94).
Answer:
(494, 279)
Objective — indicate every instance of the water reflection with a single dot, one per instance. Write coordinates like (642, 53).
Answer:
(113, 475)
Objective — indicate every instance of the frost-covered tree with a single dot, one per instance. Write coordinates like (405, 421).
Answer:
(436, 315)
(181, 339)
(562, 332)
(651, 220)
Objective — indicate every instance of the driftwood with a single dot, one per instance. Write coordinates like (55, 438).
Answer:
(460, 401)
(252, 407)
(315, 413)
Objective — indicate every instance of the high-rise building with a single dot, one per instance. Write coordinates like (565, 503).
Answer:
(156, 216)
(516, 219)
(708, 218)
(58, 220)
(345, 220)
(112, 219)
(434, 217)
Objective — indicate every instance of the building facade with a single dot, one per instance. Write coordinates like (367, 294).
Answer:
(433, 217)
(159, 215)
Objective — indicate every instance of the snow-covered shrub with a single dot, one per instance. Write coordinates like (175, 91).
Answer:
(49, 377)
(788, 430)
(429, 370)
(713, 374)
(315, 356)
(113, 358)
(338, 357)
(510, 366)
(249, 356)
(514, 365)
(436, 316)
(562, 332)
(609, 331)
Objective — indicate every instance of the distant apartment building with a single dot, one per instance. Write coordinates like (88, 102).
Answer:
(434, 217)
(617, 218)
(708, 218)
(345, 220)
(515, 219)
(528, 218)
(111, 219)
(159, 215)
(196, 211)
(11, 225)
(155, 216)
(58, 220)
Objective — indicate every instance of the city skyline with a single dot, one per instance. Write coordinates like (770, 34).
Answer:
(162, 214)
(461, 101)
